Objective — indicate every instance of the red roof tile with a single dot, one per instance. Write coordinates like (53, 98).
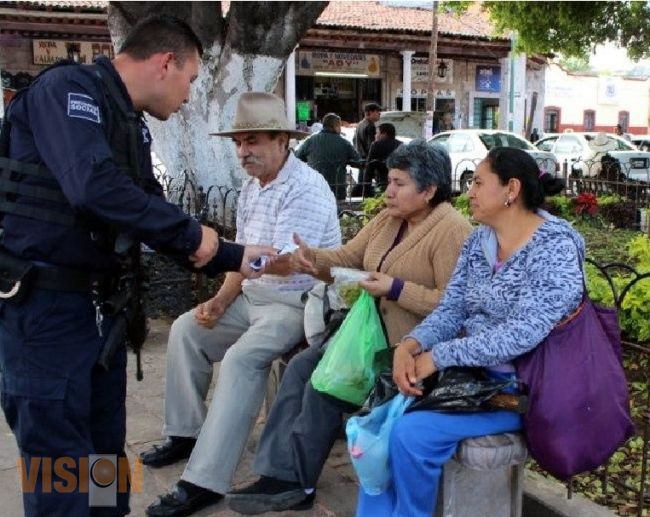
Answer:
(377, 16)
(71, 4)
(345, 14)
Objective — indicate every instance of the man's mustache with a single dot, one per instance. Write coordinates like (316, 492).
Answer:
(251, 160)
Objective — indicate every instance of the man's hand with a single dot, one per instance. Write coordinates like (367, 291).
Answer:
(207, 313)
(251, 254)
(207, 249)
(378, 284)
(302, 260)
(404, 367)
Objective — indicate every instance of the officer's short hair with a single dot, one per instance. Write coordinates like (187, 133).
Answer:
(331, 120)
(161, 33)
(387, 128)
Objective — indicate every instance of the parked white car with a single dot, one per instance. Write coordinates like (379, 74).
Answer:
(642, 142)
(467, 147)
(584, 152)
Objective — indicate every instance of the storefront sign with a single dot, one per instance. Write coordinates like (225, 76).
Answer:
(48, 51)
(419, 93)
(420, 70)
(310, 63)
(488, 78)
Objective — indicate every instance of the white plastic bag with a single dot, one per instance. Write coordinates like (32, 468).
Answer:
(346, 285)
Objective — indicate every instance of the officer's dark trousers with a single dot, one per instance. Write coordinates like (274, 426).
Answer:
(302, 425)
(58, 403)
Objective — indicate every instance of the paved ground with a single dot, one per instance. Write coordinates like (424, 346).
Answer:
(336, 494)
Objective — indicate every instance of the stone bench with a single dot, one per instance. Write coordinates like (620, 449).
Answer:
(485, 477)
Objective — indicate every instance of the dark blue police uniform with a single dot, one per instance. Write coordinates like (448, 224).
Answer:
(56, 399)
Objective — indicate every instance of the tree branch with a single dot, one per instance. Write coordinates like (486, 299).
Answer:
(204, 17)
(270, 28)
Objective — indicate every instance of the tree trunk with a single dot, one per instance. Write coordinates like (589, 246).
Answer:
(433, 57)
(244, 51)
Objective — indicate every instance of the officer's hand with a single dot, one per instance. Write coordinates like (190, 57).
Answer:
(252, 254)
(208, 247)
(207, 313)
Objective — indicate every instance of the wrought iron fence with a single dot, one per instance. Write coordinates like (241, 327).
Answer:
(608, 177)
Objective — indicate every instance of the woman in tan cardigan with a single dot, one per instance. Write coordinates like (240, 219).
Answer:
(411, 249)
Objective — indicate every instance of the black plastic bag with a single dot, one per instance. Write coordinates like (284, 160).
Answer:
(459, 389)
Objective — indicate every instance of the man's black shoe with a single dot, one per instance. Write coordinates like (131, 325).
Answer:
(269, 494)
(173, 449)
(184, 499)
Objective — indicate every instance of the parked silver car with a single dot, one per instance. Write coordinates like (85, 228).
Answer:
(585, 152)
(467, 147)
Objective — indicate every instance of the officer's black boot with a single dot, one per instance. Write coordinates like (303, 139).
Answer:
(173, 449)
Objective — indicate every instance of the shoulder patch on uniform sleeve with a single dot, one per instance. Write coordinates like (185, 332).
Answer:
(83, 106)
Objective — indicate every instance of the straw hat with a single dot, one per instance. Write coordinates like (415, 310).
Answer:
(261, 111)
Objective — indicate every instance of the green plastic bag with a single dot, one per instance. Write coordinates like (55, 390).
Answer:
(349, 366)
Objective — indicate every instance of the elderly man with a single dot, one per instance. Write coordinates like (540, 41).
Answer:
(248, 323)
(328, 153)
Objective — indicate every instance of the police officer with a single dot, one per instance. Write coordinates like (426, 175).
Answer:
(77, 195)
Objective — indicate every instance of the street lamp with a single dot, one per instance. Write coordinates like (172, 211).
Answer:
(442, 69)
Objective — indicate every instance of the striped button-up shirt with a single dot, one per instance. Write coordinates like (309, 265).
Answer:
(298, 200)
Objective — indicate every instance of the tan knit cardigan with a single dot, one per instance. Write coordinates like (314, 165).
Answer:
(424, 259)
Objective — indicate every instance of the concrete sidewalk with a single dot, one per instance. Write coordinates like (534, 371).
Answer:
(337, 487)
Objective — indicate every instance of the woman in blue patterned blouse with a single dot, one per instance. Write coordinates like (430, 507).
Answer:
(518, 275)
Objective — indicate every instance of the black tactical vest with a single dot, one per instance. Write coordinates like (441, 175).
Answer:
(123, 140)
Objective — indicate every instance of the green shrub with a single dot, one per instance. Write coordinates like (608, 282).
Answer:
(561, 206)
(634, 313)
(461, 203)
(371, 206)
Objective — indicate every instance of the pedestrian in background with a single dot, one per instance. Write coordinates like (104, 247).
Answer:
(329, 153)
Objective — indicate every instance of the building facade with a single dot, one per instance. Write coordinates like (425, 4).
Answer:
(593, 102)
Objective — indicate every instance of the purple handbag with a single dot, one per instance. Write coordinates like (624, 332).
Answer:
(579, 411)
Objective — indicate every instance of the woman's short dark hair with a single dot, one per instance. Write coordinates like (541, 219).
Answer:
(161, 33)
(509, 163)
(427, 164)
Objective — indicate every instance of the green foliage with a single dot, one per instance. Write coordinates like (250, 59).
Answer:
(573, 28)
(457, 7)
(371, 206)
(639, 250)
(461, 203)
(561, 205)
(634, 314)
(575, 64)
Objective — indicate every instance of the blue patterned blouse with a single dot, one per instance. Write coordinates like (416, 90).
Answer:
(504, 312)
